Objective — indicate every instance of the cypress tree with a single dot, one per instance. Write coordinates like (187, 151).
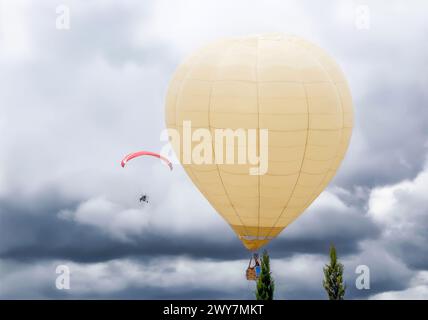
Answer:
(333, 277)
(265, 283)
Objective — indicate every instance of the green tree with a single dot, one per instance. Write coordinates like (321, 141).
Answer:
(333, 277)
(265, 283)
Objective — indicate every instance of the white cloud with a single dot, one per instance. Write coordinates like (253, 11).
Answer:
(168, 212)
(397, 204)
(15, 35)
(108, 216)
(401, 210)
(188, 24)
(418, 290)
(166, 276)
(299, 273)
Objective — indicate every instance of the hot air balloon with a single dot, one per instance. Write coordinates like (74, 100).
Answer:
(281, 83)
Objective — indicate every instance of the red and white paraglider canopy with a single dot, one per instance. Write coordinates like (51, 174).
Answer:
(144, 153)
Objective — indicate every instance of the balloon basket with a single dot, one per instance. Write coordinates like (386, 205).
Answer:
(253, 271)
(251, 274)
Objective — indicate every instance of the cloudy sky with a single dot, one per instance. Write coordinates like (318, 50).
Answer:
(74, 101)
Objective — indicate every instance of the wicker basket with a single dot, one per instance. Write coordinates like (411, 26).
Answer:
(251, 274)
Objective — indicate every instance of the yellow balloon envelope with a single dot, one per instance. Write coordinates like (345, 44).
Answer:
(285, 85)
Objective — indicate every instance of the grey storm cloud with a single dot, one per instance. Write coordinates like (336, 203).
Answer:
(29, 232)
(74, 102)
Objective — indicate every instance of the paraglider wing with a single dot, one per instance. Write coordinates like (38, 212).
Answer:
(144, 153)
